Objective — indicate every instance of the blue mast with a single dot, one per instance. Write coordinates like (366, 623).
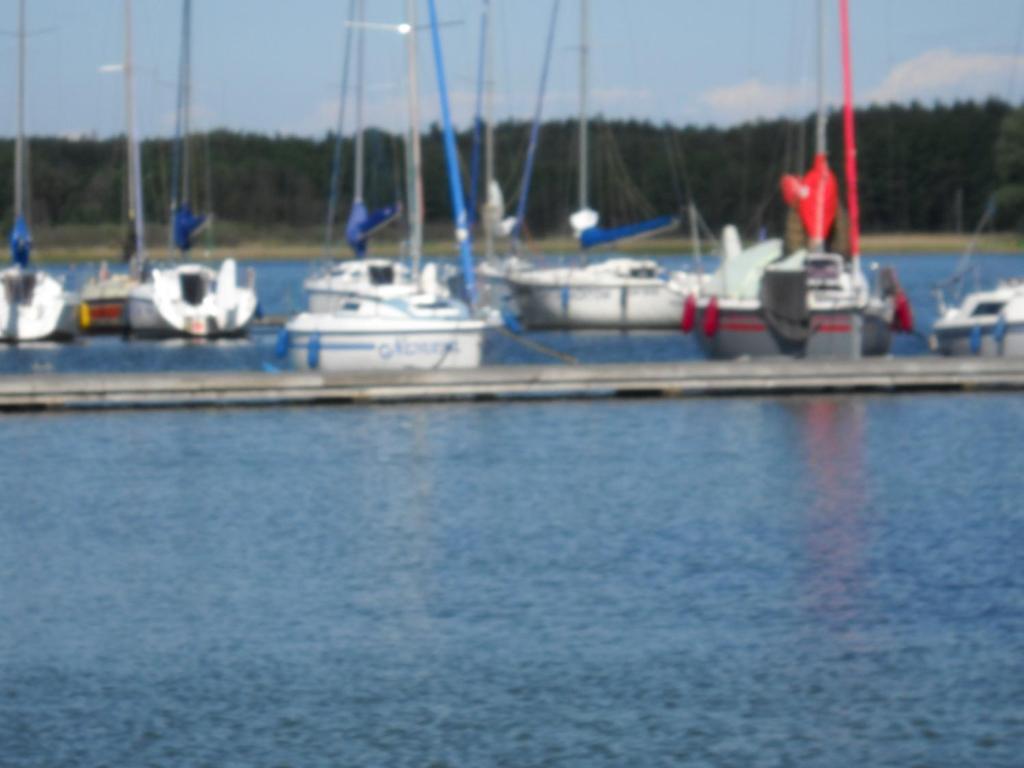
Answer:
(452, 161)
(535, 129)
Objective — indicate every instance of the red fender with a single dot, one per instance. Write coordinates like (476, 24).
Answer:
(689, 314)
(903, 315)
(710, 324)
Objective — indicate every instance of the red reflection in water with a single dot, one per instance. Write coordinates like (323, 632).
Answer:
(833, 432)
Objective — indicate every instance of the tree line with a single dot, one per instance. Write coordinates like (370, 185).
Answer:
(921, 169)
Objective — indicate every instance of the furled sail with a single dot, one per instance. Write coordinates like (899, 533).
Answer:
(815, 197)
(363, 223)
(186, 225)
(21, 242)
(595, 236)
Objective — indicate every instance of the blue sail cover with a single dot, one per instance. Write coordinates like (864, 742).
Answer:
(595, 236)
(363, 223)
(21, 242)
(186, 224)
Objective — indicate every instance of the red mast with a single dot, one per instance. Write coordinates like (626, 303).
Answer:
(849, 135)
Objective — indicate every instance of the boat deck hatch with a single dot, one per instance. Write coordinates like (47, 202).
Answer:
(193, 289)
(382, 275)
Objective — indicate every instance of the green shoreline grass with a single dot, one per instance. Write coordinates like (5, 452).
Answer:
(58, 245)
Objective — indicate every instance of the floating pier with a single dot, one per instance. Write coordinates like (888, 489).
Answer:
(206, 389)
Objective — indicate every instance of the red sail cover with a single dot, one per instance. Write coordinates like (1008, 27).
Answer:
(815, 197)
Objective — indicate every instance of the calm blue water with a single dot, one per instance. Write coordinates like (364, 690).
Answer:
(749, 582)
(280, 289)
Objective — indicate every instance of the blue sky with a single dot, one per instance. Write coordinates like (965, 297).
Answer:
(274, 67)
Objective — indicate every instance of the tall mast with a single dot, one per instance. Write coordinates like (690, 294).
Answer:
(19, 150)
(584, 55)
(185, 95)
(490, 216)
(135, 211)
(820, 146)
(360, 55)
(850, 139)
(332, 201)
(414, 184)
(21, 238)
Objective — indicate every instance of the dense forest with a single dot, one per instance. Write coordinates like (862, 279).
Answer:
(921, 169)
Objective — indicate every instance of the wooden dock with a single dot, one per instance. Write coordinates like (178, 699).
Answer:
(183, 390)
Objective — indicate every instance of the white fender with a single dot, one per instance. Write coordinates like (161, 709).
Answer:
(731, 246)
(227, 284)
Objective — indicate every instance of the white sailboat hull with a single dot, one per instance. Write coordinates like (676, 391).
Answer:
(35, 307)
(837, 333)
(323, 342)
(598, 298)
(164, 306)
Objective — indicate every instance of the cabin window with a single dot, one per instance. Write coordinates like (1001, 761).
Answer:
(822, 270)
(988, 308)
(382, 275)
(193, 288)
(19, 287)
(350, 306)
(643, 272)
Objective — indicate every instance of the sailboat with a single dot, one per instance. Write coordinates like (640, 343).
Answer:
(425, 328)
(33, 304)
(186, 299)
(340, 280)
(619, 293)
(985, 323)
(813, 299)
(104, 307)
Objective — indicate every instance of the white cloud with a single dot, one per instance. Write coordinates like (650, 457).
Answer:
(945, 75)
(752, 98)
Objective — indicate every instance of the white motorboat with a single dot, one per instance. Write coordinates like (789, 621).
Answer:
(814, 301)
(185, 299)
(191, 300)
(986, 323)
(33, 304)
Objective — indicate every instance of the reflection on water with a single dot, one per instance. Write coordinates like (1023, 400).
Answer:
(832, 432)
(741, 582)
